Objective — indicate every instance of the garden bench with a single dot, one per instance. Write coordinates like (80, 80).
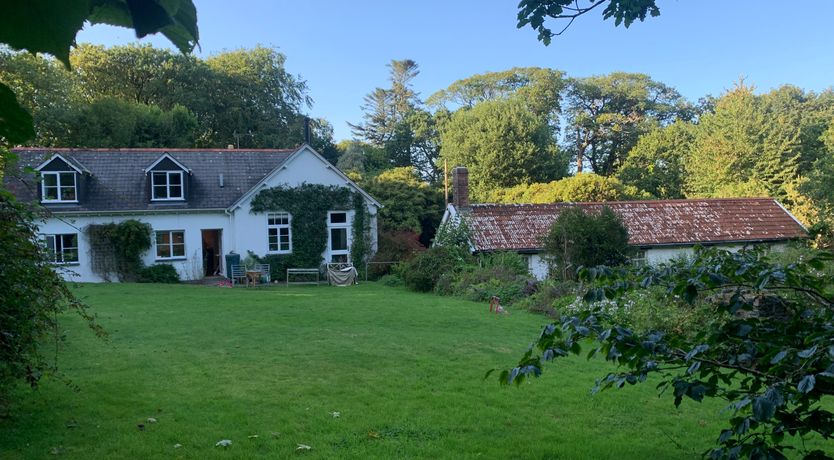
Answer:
(303, 271)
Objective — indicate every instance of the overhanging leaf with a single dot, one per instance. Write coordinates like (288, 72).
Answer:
(43, 26)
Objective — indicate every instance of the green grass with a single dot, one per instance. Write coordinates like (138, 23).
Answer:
(405, 371)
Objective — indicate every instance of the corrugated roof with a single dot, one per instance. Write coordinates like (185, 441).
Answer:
(117, 181)
(650, 222)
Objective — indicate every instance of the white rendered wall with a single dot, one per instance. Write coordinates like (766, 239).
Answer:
(189, 268)
(249, 230)
(538, 266)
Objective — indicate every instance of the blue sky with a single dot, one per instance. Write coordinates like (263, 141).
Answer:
(341, 48)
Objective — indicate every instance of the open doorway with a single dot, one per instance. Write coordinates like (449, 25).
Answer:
(212, 252)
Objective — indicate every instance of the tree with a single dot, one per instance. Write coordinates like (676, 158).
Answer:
(360, 157)
(385, 108)
(586, 239)
(656, 163)
(409, 204)
(588, 187)
(416, 142)
(534, 12)
(766, 351)
(539, 88)
(743, 148)
(607, 114)
(503, 144)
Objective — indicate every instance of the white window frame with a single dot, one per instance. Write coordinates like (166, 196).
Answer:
(167, 185)
(57, 254)
(278, 227)
(640, 258)
(170, 245)
(59, 186)
(348, 235)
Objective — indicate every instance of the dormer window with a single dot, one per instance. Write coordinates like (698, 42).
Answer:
(168, 179)
(60, 179)
(58, 187)
(167, 185)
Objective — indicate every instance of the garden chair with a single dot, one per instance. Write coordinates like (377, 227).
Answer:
(238, 274)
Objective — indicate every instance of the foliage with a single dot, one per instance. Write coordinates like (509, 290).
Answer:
(360, 157)
(766, 352)
(454, 233)
(534, 13)
(607, 114)
(586, 239)
(548, 296)
(423, 271)
(579, 187)
(384, 108)
(33, 295)
(409, 204)
(503, 144)
(244, 97)
(394, 247)
(656, 163)
(308, 205)
(501, 274)
(118, 248)
(158, 273)
(538, 88)
(361, 247)
(23, 23)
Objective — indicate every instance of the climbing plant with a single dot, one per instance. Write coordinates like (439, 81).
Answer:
(118, 248)
(308, 205)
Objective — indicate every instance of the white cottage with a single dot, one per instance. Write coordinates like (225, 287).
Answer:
(659, 229)
(197, 201)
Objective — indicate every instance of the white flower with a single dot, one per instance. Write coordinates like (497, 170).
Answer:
(177, 445)
(336, 414)
(223, 443)
(151, 420)
(303, 447)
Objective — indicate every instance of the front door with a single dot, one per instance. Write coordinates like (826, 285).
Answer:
(211, 252)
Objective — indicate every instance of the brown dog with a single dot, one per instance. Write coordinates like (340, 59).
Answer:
(495, 305)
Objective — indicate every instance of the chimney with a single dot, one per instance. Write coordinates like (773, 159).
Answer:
(460, 187)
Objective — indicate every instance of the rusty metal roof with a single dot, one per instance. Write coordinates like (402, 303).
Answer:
(650, 222)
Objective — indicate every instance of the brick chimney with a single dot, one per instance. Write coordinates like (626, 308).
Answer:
(460, 187)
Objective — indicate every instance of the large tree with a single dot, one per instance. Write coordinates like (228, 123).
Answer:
(539, 88)
(385, 108)
(579, 187)
(503, 144)
(607, 114)
(656, 163)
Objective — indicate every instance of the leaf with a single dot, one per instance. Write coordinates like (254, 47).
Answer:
(16, 124)
(806, 384)
(43, 26)
(807, 352)
(778, 357)
(176, 19)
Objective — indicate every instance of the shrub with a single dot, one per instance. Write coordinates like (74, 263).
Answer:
(159, 273)
(423, 271)
(394, 247)
(391, 280)
(549, 295)
(578, 238)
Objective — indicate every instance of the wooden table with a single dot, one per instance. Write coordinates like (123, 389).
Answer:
(253, 277)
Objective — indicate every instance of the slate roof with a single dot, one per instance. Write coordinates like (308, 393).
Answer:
(117, 181)
(650, 223)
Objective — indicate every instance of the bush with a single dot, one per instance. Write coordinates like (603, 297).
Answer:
(394, 247)
(423, 271)
(159, 273)
(549, 295)
(391, 280)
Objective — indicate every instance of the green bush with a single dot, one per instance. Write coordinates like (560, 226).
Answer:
(391, 280)
(423, 271)
(549, 295)
(159, 273)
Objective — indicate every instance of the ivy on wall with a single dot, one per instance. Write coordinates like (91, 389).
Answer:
(308, 205)
(116, 249)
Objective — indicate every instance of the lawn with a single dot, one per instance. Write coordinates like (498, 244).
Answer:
(267, 368)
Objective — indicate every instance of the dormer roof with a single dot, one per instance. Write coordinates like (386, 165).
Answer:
(69, 161)
(166, 158)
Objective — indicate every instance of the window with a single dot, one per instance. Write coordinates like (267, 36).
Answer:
(63, 249)
(170, 244)
(58, 187)
(639, 258)
(338, 237)
(279, 232)
(166, 185)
